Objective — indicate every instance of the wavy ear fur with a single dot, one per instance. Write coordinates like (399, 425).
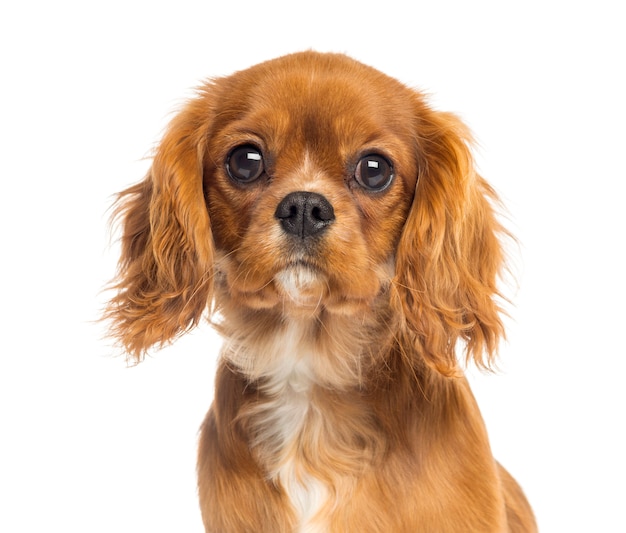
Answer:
(164, 278)
(449, 257)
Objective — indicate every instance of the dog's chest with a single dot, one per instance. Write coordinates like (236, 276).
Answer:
(285, 424)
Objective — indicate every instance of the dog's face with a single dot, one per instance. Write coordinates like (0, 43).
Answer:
(312, 184)
(309, 176)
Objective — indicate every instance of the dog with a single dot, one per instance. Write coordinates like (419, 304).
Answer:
(333, 227)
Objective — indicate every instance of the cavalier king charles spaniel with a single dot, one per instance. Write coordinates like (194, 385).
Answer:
(334, 227)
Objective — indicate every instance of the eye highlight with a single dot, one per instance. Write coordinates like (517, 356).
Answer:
(374, 172)
(244, 163)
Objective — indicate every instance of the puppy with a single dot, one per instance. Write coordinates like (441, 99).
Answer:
(334, 227)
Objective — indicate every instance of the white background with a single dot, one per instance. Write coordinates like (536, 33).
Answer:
(89, 445)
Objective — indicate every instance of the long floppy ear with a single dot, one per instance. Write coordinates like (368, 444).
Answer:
(449, 256)
(164, 278)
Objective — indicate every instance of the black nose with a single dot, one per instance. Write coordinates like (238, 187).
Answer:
(304, 214)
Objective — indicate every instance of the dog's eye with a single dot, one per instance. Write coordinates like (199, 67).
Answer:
(373, 172)
(244, 163)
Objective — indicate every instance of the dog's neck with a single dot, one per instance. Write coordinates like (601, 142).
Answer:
(333, 351)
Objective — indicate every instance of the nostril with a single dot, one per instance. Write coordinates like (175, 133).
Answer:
(304, 214)
(323, 212)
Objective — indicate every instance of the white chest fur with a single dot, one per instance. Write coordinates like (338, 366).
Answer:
(280, 423)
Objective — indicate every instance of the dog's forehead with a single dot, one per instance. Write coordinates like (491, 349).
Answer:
(309, 97)
(318, 99)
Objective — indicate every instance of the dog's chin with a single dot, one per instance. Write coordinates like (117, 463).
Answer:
(299, 289)
(307, 291)
(301, 286)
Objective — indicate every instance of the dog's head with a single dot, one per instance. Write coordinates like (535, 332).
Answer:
(312, 184)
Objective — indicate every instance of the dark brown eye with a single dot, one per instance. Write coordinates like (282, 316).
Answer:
(245, 163)
(373, 172)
